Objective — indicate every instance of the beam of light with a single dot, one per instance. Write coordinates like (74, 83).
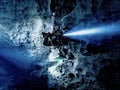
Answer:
(82, 32)
(17, 56)
(95, 33)
(16, 62)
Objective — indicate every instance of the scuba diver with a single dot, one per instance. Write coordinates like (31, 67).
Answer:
(54, 39)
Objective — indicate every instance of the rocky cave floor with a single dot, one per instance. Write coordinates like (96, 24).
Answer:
(74, 66)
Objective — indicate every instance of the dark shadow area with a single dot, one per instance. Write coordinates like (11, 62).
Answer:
(62, 7)
(34, 83)
(109, 76)
(106, 45)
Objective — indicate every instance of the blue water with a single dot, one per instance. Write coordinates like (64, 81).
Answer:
(94, 34)
(15, 65)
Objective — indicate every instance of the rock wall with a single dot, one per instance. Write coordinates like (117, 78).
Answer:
(75, 66)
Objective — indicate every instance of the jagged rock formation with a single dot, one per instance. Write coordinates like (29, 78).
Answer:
(85, 63)
(73, 66)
